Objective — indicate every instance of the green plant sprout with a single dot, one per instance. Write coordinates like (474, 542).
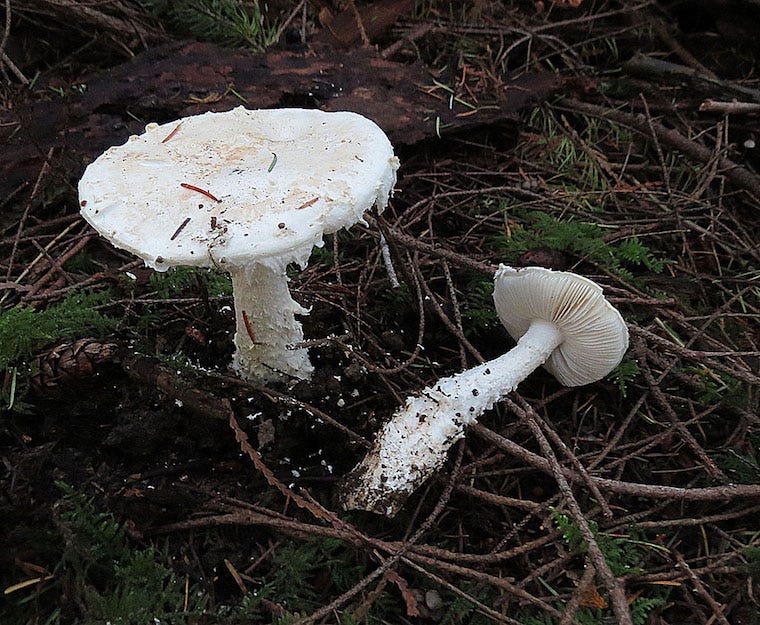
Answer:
(624, 374)
(569, 156)
(625, 554)
(535, 229)
(227, 22)
(529, 230)
(106, 577)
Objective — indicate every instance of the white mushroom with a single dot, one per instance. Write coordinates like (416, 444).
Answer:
(560, 320)
(247, 192)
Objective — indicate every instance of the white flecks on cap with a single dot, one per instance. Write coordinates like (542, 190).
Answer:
(248, 185)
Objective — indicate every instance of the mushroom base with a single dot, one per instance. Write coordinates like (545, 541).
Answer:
(267, 327)
(414, 443)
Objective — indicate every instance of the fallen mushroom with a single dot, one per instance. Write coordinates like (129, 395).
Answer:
(247, 192)
(560, 320)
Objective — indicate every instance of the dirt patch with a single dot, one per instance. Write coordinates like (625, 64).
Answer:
(136, 465)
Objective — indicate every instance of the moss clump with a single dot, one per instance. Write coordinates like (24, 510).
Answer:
(23, 330)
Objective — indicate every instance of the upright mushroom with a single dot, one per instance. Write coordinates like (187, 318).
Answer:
(247, 192)
(560, 320)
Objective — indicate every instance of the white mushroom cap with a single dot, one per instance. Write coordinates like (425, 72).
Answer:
(560, 320)
(594, 335)
(248, 192)
(282, 178)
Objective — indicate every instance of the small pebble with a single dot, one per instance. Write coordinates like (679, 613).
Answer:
(433, 599)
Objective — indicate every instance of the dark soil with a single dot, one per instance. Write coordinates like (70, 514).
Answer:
(609, 139)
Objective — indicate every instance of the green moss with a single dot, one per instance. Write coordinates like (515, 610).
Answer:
(23, 330)
(179, 281)
(102, 573)
(478, 308)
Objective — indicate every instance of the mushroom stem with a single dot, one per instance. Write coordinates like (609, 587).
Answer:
(414, 443)
(266, 325)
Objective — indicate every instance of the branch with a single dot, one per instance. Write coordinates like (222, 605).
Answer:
(652, 491)
(613, 584)
(736, 174)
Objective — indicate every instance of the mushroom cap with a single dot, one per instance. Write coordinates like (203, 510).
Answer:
(595, 336)
(278, 180)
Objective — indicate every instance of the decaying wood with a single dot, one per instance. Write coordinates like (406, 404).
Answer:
(179, 389)
(182, 79)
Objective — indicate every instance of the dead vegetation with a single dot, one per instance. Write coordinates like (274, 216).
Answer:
(633, 500)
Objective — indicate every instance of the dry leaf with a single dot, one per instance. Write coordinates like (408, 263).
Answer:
(411, 601)
(592, 599)
(325, 17)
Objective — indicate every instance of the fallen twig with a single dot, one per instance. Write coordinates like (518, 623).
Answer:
(699, 587)
(735, 173)
(613, 584)
(654, 491)
(641, 64)
(704, 357)
(733, 107)
(460, 260)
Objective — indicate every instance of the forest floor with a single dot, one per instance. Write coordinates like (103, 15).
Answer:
(142, 482)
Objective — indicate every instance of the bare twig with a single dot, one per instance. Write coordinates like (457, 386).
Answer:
(654, 491)
(456, 258)
(659, 397)
(613, 584)
(25, 215)
(651, 67)
(738, 175)
(700, 588)
(575, 601)
(731, 108)
(113, 17)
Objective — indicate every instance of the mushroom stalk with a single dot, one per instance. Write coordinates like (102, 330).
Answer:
(253, 189)
(266, 325)
(414, 443)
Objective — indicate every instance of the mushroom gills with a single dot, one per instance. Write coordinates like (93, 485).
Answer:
(559, 319)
